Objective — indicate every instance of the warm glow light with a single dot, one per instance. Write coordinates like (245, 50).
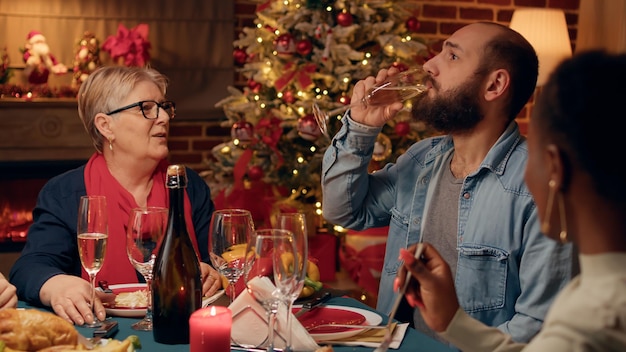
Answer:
(546, 30)
(313, 149)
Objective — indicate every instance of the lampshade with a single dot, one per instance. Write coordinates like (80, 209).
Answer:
(546, 30)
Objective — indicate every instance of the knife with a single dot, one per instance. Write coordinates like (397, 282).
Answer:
(312, 304)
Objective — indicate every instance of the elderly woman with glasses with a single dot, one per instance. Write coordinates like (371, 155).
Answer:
(127, 116)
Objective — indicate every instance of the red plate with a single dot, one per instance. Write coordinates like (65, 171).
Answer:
(327, 315)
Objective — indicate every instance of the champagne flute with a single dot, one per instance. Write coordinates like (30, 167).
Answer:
(265, 248)
(92, 235)
(297, 224)
(397, 88)
(229, 232)
(144, 234)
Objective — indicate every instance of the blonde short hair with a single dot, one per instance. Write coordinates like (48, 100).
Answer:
(105, 89)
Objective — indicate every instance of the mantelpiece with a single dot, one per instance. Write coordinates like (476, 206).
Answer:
(42, 129)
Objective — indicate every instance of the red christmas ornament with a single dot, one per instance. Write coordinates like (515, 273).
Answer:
(254, 85)
(285, 45)
(304, 47)
(345, 19)
(413, 24)
(288, 97)
(344, 99)
(242, 131)
(402, 128)
(255, 173)
(240, 56)
(308, 128)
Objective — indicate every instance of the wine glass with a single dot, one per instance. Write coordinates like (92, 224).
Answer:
(144, 234)
(92, 235)
(229, 232)
(292, 286)
(265, 249)
(397, 88)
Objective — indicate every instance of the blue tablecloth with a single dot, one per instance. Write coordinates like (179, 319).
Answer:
(414, 341)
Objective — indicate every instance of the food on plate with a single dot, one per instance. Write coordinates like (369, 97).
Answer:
(34, 330)
(134, 299)
(130, 344)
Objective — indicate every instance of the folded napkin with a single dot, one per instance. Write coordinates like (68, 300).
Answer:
(372, 337)
(250, 321)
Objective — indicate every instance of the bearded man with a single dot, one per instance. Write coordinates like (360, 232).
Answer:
(39, 61)
(464, 191)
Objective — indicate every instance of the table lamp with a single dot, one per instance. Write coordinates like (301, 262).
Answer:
(546, 30)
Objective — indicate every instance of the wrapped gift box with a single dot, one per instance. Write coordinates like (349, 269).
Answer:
(362, 254)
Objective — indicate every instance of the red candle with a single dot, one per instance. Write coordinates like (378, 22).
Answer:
(209, 329)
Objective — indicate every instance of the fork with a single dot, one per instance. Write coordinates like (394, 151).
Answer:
(384, 346)
(347, 326)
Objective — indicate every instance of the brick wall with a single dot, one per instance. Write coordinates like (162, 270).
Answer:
(191, 141)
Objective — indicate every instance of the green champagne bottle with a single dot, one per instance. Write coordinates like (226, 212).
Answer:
(176, 287)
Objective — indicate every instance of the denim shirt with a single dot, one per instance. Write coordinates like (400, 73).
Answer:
(507, 274)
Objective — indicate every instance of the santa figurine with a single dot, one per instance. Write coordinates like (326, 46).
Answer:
(39, 61)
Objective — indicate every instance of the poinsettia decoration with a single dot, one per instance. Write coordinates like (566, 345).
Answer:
(130, 46)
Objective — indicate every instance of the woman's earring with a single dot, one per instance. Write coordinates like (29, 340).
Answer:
(563, 233)
(545, 224)
(110, 143)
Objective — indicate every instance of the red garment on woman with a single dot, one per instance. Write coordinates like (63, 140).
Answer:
(99, 181)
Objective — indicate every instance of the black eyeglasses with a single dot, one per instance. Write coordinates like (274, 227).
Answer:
(150, 108)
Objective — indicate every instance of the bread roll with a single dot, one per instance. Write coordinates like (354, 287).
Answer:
(33, 330)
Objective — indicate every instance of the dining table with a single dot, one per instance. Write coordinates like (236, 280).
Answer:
(413, 341)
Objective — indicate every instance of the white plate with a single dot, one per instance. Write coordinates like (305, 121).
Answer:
(141, 312)
(126, 312)
(371, 318)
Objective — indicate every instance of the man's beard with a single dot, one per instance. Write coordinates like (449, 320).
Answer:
(454, 111)
(41, 49)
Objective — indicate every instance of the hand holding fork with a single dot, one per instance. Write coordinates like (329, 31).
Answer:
(384, 346)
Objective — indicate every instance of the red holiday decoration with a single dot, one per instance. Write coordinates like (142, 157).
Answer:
(254, 85)
(288, 97)
(344, 99)
(240, 56)
(304, 47)
(285, 46)
(255, 173)
(413, 24)
(243, 131)
(345, 19)
(402, 128)
(308, 128)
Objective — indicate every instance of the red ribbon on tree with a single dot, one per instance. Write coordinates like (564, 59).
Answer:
(301, 74)
(270, 131)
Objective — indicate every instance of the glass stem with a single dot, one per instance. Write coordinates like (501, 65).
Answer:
(289, 329)
(231, 287)
(148, 316)
(270, 330)
(92, 278)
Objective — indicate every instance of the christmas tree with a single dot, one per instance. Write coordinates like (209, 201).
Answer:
(302, 52)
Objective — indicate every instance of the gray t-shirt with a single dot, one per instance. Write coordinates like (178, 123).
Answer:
(441, 229)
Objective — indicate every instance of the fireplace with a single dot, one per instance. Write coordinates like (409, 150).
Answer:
(38, 140)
